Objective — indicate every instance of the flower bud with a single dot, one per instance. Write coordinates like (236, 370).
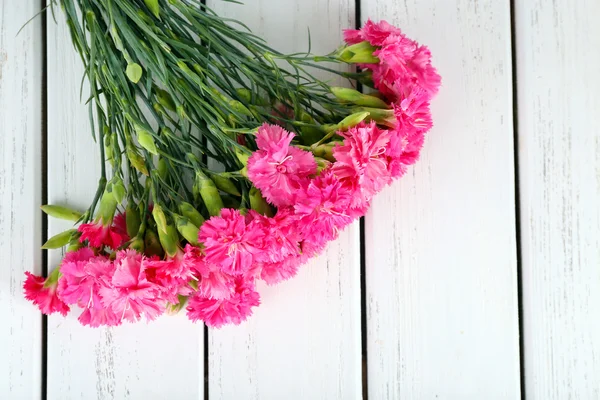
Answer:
(190, 212)
(164, 99)
(173, 309)
(61, 212)
(137, 244)
(108, 206)
(152, 245)
(209, 193)
(169, 240)
(159, 218)
(359, 53)
(59, 240)
(187, 229)
(136, 160)
(118, 189)
(325, 151)
(132, 219)
(356, 97)
(145, 139)
(163, 167)
(382, 117)
(259, 204)
(351, 121)
(225, 184)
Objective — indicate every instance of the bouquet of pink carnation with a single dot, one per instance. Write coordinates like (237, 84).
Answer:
(229, 162)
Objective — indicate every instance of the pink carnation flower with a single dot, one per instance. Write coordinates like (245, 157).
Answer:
(83, 276)
(234, 310)
(172, 276)
(43, 293)
(401, 60)
(361, 163)
(212, 282)
(278, 271)
(281, 235)
(278, 169)
(229, 242)
(323, 208)
(100, 235)
(131, 294)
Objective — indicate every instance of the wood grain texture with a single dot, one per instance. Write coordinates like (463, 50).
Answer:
(559, 159)
(20, 196)
(160, 360)
(303, 342)
(440, 244)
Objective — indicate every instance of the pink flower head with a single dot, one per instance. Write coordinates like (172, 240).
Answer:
(230, 242)
(375, 33)
(412, 111)
(120, 225)
(131, 294)
(275, 272)
(172, 276)
(42, 292)
(234, 310)
(361, 162)
(212, 282)
(401, 60)
(278, 169)
(83, 275)
(281, 235)
(323, 208)
(100, 235)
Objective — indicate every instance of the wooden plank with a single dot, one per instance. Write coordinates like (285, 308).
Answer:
(303, 342)
(20, 197)
(559, 170)
(442, 308)
(163, 359)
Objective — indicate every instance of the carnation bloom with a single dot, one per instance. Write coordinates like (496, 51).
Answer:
(211, 281)
(323, 208)
(230, 242)
(42, 292)
(131, 294)
(278, 271)
(233, 310)
(172, 276)
(401, 60)
(119, 225)
(281, 235)
(361, 162)
(100, 235)
(278, 169)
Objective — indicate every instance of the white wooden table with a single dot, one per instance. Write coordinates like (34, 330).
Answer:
(481, 267)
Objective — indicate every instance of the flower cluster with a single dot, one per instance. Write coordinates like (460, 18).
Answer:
(292, 196)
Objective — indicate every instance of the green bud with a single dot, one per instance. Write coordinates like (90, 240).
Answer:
(209, 193)
(118, 189)
(52, 278)
(190, 212)
(358, 53)
(159, 217)
(61, 212)
(169, 240)
(351, 121)
(225, 184)
(137, 244)
(132, 219)
(356, 97)
(322, 164)
(259, 204)
(187, 229)
(145, 139)
(325, 151)
(60, 240)
(244, 94)
(136, 160)
(153, 7)
(383, 117)
(108, 205)
(163, 167)
(116, 38)
(240, 108)
(152, 245)
(134, 72)
(165, 99)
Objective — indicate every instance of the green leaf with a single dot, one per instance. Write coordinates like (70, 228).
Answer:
(60, 240)
(61, 212)
(134, 72)
(153, 6)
